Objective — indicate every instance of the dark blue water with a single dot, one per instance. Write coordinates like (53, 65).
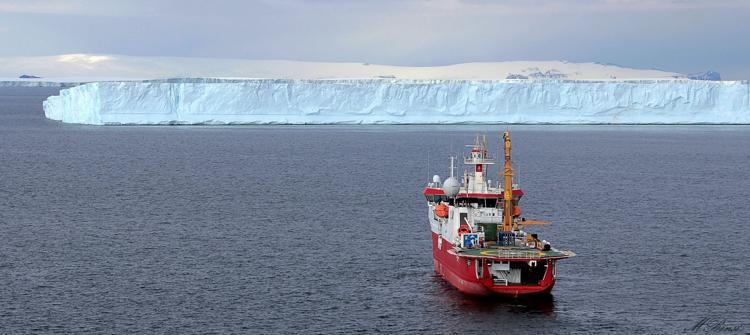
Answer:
(323, 229)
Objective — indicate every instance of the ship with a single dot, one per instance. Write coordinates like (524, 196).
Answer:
(479, 240)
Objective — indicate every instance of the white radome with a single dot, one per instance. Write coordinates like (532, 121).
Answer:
(451, 187)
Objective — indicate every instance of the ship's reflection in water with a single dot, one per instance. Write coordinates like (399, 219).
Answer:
(543, 304)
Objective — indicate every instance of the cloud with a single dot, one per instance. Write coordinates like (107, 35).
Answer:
(514, 6)
(678, 35)
(578, 6)
(36, 6)
(4, 29)
(83, 58)
(73, 7)
(33, 7)
(196, 8)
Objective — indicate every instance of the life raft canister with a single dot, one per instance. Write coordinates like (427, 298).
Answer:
(441, 211)
(464, 229)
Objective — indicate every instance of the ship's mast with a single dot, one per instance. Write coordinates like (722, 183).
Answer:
(508, 187)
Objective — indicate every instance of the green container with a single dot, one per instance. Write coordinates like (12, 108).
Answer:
(490, 231)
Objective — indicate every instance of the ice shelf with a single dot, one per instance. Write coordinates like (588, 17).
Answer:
(402, 101)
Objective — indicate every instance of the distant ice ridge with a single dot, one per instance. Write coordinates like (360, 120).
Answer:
(35, 83)
(401, 101)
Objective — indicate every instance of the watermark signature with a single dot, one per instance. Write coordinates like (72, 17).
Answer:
(713, 324)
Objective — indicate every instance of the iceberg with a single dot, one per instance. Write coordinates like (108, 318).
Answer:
(402, 101)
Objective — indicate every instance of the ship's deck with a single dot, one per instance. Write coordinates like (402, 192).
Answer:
(515, 252)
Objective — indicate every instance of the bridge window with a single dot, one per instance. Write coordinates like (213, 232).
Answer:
(436, 198)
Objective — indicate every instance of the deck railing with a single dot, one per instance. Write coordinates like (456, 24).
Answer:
(503, 253)
(517, 253)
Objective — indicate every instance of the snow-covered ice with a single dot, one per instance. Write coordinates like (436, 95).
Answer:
(378, 101)
(95, 67)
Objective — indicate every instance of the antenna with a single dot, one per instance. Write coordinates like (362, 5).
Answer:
(517, 172)
(452, 166)
(428, 165)
(451, 148)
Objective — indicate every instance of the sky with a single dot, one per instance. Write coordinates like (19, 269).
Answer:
(685, 36)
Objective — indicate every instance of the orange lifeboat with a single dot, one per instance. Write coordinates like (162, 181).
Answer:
(516, 211)
(441, 211)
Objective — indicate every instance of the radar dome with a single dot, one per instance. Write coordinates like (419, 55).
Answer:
(451, 187)
(436, 179)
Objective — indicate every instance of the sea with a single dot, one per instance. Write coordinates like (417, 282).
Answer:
(323, 229)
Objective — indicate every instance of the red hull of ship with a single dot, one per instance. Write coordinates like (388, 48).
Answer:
(461, 273)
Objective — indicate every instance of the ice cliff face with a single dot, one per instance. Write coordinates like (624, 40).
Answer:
(373, 101)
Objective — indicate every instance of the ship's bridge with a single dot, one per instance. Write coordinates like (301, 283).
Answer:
(437, 195)
(478, 157)
(475, 188)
